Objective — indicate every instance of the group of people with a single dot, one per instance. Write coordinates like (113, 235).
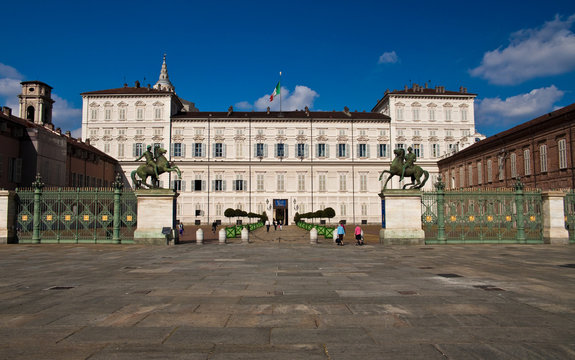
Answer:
(275, 223)
(341, 232)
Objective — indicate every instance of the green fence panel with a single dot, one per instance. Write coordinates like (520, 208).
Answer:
(231, 232)
(329, 233)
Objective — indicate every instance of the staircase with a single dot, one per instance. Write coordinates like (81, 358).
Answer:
(289, 235)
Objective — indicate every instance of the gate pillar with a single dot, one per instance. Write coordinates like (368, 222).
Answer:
(7, 217)
(156, 210)
(402, 218)
(553, 216)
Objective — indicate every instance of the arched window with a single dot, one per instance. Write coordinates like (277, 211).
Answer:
(30, 113)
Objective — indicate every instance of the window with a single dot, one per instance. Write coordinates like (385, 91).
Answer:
(218, 184)
(177, 185)
(342, 182)
(121, 150)
(400, 146)
(321, 132)
(382, 132)
(470, 174)
(449, 133)
(465, 132)
(363, 209)
(489, 170)
(197, 185)
(239, 149)
(501, 166)
(280, 150)
(94, 114)
(342, 209)
(198, 150)
(301, 153)
(431, 113)
(138, 149)
(218, 150)
(280, 182)
(415, 113)
(362, 132)
(463, 114)
(121, 132)
(341, 150)
(341, 132)
(321, 150)
(139, 113)
(107, 148)
(178, 131)
(301, 182)
(543, 157)
(322, 182)
(158, 131)
(219, 131)
(239, 183)
(260, 182)
(260, 150)
(158, 113)
(122, 114)
(418, 150)
(447, 114)
(562, 154)
(527, 161)
(199, 131)
(177, 149)
(363, 182)
(239, 131)
(108, 114)
(461, 176)
(139, 131)
(479, 173)
(400, 132)
(362, 150)
(399, 113)
(219, 209)
(513, 160)
(382, 150)
(435, 150)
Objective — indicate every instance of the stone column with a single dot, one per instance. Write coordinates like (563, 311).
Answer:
(554, 231)
(199, 237)
(313, 236)
(7, 217)
(156, 210)
(222, 237)
(402, 218)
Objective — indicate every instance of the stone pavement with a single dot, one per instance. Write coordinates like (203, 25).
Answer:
(287, 301)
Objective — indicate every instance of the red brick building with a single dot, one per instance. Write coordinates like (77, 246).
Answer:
(539, 152)
(28, 148)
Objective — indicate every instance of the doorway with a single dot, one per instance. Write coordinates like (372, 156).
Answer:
(280, 210)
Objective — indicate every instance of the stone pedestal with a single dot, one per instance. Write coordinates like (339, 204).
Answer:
(313, 236)
(402, 218)
(245, 236)
(156, 210)
(553, 218)
(222, 237)
(7, 217)
(200, 237)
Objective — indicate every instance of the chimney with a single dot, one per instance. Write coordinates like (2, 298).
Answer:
(49, 126)
(465, 90)
(306, 111)
(425, 85)
(59, 131)
(68, 133)
(7, 111)
(87, 141)
(137, 84)
(268, 110)
(406, 87)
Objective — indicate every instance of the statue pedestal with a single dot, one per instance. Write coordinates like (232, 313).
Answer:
(401, 218)
(156, 211)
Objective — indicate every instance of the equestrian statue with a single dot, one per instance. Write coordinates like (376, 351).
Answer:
(403, 166)
(156, 164)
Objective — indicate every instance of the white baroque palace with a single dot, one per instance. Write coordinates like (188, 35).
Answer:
(278, 162)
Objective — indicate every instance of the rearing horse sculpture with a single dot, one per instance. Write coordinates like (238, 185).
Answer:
(415, 172)
(144, 171)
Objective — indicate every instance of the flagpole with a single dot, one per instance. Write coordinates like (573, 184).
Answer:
(280, 91)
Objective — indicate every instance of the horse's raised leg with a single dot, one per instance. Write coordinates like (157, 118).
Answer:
(386, 181)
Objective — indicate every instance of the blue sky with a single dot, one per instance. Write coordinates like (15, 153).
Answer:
(518, 56)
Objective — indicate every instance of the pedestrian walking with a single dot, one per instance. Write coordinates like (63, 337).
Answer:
(275, 225)
(358, 235)
(214, 226)
(181, 228)
(340, 234)
(281, 224)
(267, 225)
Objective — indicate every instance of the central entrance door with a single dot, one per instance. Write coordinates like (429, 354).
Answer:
(281, 210)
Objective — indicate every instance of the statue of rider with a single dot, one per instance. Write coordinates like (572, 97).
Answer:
(150, 159)
(409, 160)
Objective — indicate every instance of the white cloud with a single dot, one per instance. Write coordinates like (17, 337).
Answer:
(10, 87)
(389, 57)
(548, 50)
(518, 107)
(9, 72)
(302, 96)
(64, 115)
(243, 105)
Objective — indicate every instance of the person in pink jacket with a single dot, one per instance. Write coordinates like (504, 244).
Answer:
(358, 235)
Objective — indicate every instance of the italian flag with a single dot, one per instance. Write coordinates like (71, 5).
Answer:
(276, 92)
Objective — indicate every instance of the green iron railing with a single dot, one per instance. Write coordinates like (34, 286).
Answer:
(236, 230)
(325, 231)
(76, 215)
(482, 216)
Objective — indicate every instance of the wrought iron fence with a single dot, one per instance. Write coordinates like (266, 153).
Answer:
(75, 215)
(482, 216)
(569, 207)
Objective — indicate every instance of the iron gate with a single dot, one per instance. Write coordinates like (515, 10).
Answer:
(76, 215)
(480, 216)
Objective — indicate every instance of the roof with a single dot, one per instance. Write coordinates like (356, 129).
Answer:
(531, 126)
(129, 91)
(417, 90)
(36, 82)
(284, 115)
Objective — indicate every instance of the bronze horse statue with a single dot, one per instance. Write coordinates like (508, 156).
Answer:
(144, 171)
(415, 172)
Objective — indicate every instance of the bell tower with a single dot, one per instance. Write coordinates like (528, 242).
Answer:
(36, 102)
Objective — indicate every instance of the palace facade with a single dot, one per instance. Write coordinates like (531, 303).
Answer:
(277, 162)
